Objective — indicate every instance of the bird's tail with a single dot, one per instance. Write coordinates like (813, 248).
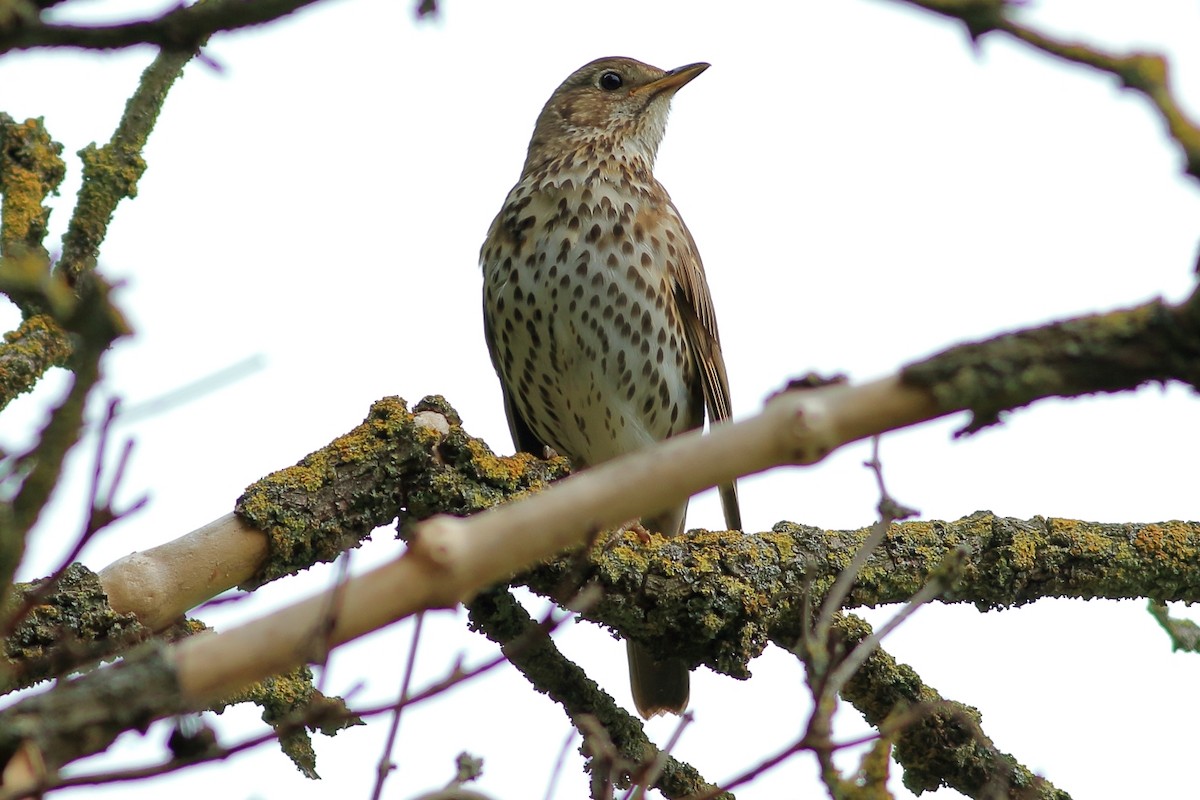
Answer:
(659, 687)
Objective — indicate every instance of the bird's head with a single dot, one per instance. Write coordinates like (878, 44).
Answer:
(618, 104)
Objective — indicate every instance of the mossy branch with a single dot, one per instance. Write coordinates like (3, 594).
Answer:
(396, 466)
(946, 745)
(716, 598)
(31, 169)
(1114, 351)
(505, 621)
(38, 344)
(111, 172)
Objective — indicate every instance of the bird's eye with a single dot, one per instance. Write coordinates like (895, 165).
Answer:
(610, 81)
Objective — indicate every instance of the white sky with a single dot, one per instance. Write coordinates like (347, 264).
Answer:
(864, 190)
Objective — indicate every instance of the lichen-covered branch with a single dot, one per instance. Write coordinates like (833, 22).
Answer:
(394, 460)
(292, 698)
(96, 323)
(1110, 352)
(184, 27)
(31, 168)
(746, 580)
(716, 598)
(72, 626)
(503, 620)
(944, 746)
(111, 172)
(1145, 73)
(34, 347)
(737, 585)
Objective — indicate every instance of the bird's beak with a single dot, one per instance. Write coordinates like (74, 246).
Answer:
(672, 81)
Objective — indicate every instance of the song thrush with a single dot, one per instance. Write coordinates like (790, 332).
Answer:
(596, 309)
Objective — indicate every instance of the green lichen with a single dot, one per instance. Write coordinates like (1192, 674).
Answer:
(36, 345)
(389, 466)
(292, 706)
(1115, 351)
(336, 496)
(31, 169)
(469, 477)
(945, 746)
(72, 625)
(111, 172)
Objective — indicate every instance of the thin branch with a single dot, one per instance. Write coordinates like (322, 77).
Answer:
(183, 28)
(323, 633)
(559, 763)
(945, 747)
(889, 511)
(192, 390)
(386, 764)
(504, 621)
(654, 769)
(937, 585)
(1146, 73)
(101, 515)
(111, 172)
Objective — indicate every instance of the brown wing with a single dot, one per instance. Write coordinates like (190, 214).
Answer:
(700, 322)
(524, 439)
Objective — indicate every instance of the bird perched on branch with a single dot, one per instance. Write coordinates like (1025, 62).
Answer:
(596, 309)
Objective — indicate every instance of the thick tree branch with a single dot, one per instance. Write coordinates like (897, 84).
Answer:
(716, 598)
(1111, 352)
(498, 615)
(945, 746)
(450, 560)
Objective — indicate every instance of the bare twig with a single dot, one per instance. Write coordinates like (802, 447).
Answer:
(889, 512)
(559, 763)
(324, 633)
(1146, 73)
(654, 769)
(934, 588)
(192, 390)
(102, 514)
(386, 764)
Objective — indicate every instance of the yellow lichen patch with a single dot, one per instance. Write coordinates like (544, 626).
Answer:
(783, 545)
(1023, 552)
(30, 169)
(502, 470)
(303, 478)
(626, 557)
(1165, 540)
(1084, 540)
